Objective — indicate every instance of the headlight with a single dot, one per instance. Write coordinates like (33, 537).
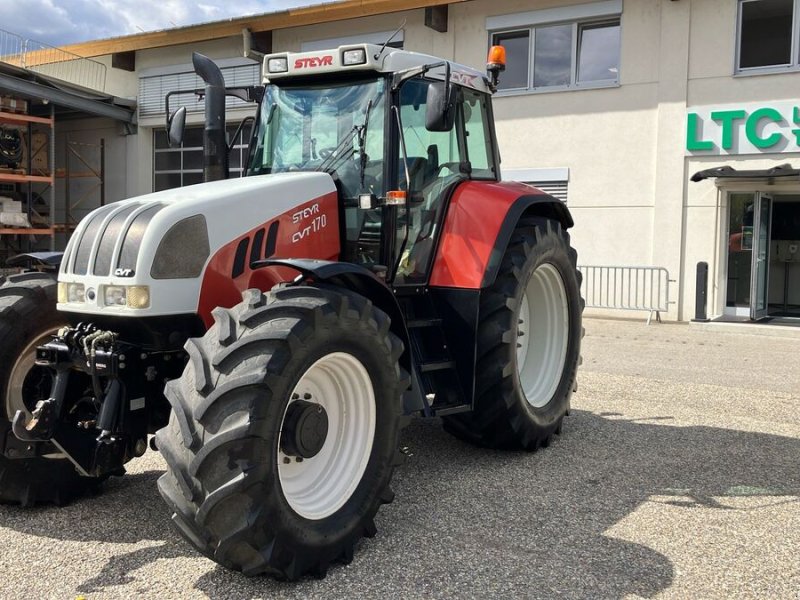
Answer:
(278, 65)
(134, 296)
(138, 296)
(357, 56)
(71, 292)
(114, 295)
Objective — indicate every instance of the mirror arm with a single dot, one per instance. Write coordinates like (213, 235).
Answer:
(238, 131)
(198, 93)
(252, 93)
(402, 76)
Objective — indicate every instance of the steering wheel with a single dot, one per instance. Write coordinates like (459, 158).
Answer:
(325, 153)
(453, 167)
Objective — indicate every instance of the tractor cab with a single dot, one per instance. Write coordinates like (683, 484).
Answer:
(396, 130)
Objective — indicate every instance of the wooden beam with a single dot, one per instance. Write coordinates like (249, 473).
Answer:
(20, 231)
(124, 60)
(436, 18)
(20, 119)
(15, 178)
(296, 17)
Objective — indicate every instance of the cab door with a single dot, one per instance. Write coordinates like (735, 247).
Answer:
(437, 162)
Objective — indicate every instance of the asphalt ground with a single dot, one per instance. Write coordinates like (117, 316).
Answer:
(678, 476)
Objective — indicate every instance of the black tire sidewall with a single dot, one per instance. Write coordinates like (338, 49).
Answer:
(30, 480)
(551, 248)
(26, 330)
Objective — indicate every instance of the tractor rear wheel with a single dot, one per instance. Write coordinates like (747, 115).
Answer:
(28, 318)
(529, 337)
(283, 434)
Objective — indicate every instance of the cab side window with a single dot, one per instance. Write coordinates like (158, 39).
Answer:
(431, 154)
(478, 135)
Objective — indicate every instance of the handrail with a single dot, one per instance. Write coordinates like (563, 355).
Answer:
(51, 61)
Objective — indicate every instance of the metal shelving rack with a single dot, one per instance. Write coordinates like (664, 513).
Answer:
(29, 179)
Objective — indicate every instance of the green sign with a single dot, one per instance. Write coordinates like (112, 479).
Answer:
(750, 129)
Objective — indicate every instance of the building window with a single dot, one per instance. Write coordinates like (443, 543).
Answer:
(179, 167)
(517, 45)
(766, 34)
(562, 56)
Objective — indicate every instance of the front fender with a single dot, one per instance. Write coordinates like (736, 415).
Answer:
(364, 282)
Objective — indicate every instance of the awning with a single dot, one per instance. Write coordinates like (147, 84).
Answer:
(731, 173)
(37, 88)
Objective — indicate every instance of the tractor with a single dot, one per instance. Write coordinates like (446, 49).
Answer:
(276, 331)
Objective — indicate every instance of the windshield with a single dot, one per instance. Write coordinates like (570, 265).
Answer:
(337, 129)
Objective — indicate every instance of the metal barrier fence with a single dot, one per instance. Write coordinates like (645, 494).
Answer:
(53, 62)
(627, 288)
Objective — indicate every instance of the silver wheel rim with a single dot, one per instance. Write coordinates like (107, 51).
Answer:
(16, 380)
(317, 487)
(542, 335)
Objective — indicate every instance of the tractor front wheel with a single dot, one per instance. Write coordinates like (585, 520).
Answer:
(529, 338)
(28, 318)
(283, 434)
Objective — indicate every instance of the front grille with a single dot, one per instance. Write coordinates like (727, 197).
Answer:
(106, 229)
(105, 252)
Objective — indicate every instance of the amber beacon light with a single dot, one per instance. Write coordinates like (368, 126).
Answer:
(495, 63)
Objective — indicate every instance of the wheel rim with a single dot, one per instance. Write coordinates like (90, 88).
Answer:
(28, 383)
(317, 487)
(542, 335)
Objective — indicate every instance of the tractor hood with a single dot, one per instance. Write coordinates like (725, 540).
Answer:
(164, 241)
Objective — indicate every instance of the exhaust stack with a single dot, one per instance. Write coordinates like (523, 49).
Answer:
(215, 147)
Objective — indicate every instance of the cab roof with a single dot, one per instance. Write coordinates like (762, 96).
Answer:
(375, 59)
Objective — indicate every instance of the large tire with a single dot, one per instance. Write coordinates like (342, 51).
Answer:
(529, 338)
(28, 317)
(232, 493)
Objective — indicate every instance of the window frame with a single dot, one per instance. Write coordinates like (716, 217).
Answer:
(487, 118)
(792, 66)
(575, 47)
(241, 147)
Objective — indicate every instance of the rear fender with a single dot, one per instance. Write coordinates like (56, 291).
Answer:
(364, 282)
(480, 220)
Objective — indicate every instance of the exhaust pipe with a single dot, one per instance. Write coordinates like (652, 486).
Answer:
(215, 147)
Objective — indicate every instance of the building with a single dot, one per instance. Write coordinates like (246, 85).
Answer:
(612, 105)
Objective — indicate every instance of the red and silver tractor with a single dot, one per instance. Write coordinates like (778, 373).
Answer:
(277, 331)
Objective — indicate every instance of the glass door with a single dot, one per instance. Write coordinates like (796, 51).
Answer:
(740, 252)
(759, 292)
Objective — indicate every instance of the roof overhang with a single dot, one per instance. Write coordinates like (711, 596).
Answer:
(38, 89)
(782, 172)
(294, 17)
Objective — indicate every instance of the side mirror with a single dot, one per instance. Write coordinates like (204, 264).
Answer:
(440, 114)
(176, 125)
